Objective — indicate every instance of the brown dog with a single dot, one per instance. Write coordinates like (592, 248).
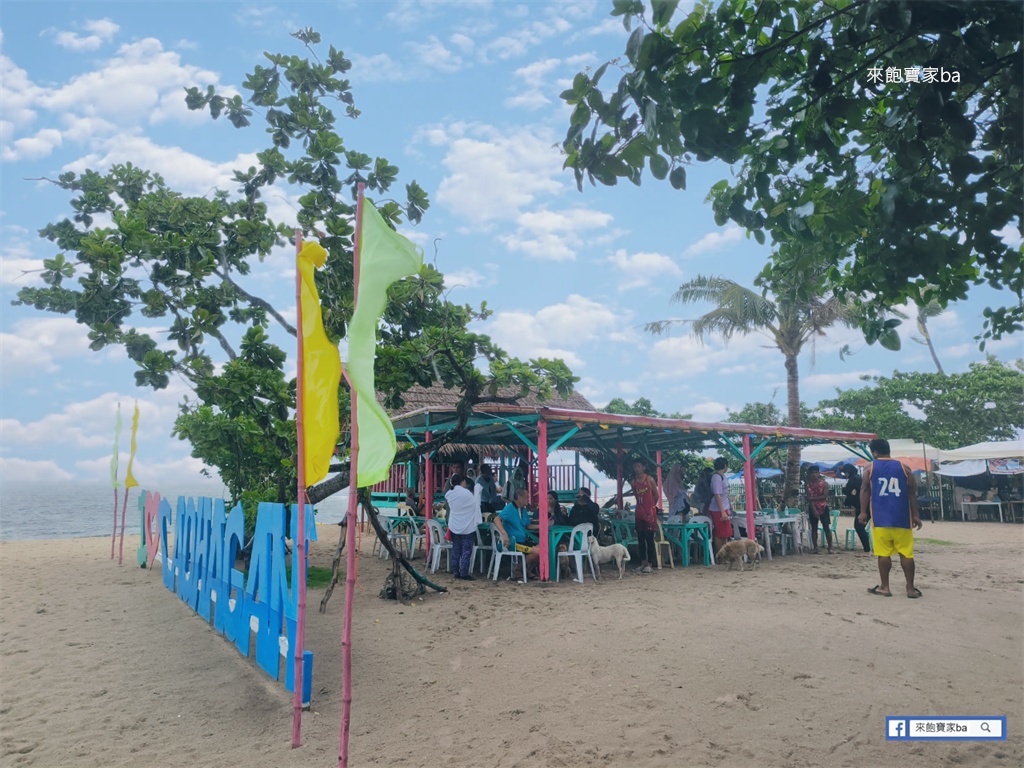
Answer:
(733, 552)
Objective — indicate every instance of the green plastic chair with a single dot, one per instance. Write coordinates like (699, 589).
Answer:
(835, 522)
(851, 537)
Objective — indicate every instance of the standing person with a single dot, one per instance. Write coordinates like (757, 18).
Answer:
(645, 489)
(463, 518)
(816, 490)
(702, 495)
(677, 503)
(720, 507)
(852, 499)
(891, 489)
(490, 499)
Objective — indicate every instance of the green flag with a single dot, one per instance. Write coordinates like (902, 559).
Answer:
(385, 256)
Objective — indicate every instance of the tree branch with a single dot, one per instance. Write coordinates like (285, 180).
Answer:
(223, 343)
(257, 301)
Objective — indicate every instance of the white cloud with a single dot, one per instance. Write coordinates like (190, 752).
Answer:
(553, 235)
(681, 357)
(537, 89)
(711, 410)
(434, 55)
(186, 172)
(25, 471)
(494, 175)
(1010, 235)
(640, 269)
(182, 473)
(33, 147)
(102, 31)
(464, 278)
(378, 68)
(463, 42)
(848, 379)
(556, 330)
(37, 344)
(714, 241)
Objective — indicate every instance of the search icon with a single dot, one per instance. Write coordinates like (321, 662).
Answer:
(985, 728)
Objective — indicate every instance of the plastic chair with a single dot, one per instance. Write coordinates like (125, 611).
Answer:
(438, 546)
(709, 554)
(661, 543)
(482, 549)
(579, 548)
(851, 537)
(500, 552)
(624, 532)
(835, 522)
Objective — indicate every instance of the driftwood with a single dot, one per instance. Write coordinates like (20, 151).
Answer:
(396, 584)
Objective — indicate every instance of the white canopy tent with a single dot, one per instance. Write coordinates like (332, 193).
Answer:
(898, 449)
(1009, 449)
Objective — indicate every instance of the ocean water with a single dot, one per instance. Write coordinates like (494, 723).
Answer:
(73, 510)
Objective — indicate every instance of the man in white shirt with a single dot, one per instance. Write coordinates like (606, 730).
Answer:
(463, 519)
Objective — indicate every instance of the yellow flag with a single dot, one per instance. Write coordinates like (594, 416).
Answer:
(385, 256)
(129, 478)
(114, 456)
(321, 373)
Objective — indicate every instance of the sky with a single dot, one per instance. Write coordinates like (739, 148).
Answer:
(461, 95)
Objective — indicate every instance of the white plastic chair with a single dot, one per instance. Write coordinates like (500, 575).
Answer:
(482, 550)
(579, 548)
(500, 552)
(438, 546)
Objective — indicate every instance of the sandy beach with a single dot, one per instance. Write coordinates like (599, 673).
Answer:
(793, 664)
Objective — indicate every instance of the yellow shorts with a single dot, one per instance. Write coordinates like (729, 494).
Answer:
(889, 541)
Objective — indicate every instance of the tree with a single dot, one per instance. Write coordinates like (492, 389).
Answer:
(791, 318)
(183, 260)
(902, 187)
(692, 463)
(984, 403)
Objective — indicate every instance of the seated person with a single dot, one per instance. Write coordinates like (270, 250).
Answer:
(511, 523)
(585, 510)
(413, 503)
(556, 515)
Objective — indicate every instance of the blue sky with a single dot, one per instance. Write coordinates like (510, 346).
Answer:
(463, 97)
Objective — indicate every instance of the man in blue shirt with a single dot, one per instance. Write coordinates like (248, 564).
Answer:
(512, 523)
(890, 490)
(490, 499)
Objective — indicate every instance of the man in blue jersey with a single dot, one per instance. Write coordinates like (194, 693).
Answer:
(891, 491)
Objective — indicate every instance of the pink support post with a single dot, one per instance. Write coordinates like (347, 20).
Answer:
(113, 533)
(428, 509)
(530, 484)
(299, 556)
(350, 533)
(749, 486)
(428, 482)
(124, 511)
(657, 458)
(542, 496)
(618, 474)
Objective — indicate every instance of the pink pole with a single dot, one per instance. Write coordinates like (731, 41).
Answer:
(618, 474)
(299, 556)
(124, 511)
(428, 482)
(350, 533)
(113, 535)
(657, 458)
(542, 496)
(428, 509)
(749, 486)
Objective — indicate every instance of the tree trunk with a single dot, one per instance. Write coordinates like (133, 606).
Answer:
(922, 326)
(791, 489)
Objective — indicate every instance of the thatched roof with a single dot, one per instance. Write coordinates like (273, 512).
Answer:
(438, 397)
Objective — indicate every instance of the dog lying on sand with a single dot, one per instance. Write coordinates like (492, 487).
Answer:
(733, 552)
(615, 552)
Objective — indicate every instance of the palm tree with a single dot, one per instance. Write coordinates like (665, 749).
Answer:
(795, 315)
(924, 313)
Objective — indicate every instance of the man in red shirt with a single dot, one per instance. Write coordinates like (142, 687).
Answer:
(645, 489)
(816, 490)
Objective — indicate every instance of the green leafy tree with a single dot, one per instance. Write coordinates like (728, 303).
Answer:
(692, 463)
(984, 403)
(902, 189)
(165, 256)
(790, 318)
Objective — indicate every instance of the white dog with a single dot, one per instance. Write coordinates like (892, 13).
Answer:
(615, 552)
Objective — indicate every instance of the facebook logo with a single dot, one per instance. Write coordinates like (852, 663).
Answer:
(896, 728)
